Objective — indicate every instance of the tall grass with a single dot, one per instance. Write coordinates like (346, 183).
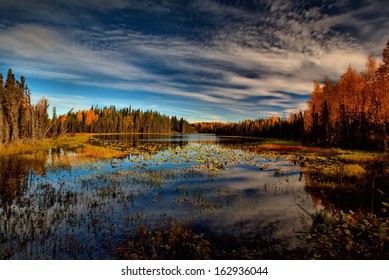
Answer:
(76, 143)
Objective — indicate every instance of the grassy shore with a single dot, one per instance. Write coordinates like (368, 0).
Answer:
(77, 143)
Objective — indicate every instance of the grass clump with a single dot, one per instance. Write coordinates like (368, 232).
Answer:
(25, 147)
(281, 142)
(354, 171)
(71, 141)
(172, 240)
(89, 151)
(338, 173)
(356, 157)
(330, 171)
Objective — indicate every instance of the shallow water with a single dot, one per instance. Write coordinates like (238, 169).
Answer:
(59, 209)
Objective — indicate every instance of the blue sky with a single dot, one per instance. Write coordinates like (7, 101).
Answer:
(203, 60)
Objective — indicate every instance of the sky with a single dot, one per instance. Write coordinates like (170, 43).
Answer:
(203, 60)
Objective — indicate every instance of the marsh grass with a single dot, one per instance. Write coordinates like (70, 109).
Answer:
(74, 197)
(339, 172)
(26, 147)
(348, 180)
(354, 171)
(281, 142)
(78, 144)
(357, 157)
(167, 241)
(93, 152)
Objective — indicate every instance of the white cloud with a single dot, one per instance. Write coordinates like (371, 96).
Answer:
(283, 67)
(284, 50)
(31, 40)
(62, 54)
(63, 102)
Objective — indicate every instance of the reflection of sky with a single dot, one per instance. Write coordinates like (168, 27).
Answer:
(240, 200)
(265, 200)
(172, 139)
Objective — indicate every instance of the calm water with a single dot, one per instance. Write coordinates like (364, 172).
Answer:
(61, 207)
(172, 139)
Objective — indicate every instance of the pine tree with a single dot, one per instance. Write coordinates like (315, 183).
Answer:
(11, 108)
(2, 126)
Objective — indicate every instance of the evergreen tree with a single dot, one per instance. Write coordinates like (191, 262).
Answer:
(2, 124)
(11, 108)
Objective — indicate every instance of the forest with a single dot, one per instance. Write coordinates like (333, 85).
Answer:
(273, 127)
(125, 120)
(353, 111)
(19, 119)
(350, 112)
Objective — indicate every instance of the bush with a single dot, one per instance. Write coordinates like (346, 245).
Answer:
(347, 236)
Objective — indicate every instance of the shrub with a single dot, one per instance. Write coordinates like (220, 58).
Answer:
(347, 236)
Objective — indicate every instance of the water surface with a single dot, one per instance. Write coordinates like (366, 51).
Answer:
(60, 208)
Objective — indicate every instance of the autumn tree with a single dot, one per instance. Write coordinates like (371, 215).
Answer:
(275, 127)
(382, 112)
(353, 112)
(125, 120)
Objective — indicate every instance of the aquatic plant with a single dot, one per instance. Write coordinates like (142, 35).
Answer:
(170, 240)
(78, 197)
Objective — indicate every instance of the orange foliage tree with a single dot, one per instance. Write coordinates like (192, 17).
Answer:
(352, 112)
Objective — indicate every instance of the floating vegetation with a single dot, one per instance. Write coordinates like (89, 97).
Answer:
(87, 198)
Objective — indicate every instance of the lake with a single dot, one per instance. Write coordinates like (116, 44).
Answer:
(244, 202)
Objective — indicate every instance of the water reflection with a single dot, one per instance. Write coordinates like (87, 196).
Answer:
(173, 139)
(51, 209)
(15, 172)
(364, 195)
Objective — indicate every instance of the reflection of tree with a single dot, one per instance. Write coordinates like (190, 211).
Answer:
(14, 175)
(59, 159)
(338, 193)
(161, 142)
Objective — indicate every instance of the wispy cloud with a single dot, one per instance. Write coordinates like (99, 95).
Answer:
(242, 59)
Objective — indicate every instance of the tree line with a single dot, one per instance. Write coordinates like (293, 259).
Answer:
(273, 127)
(125, 120)
(19, 119)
